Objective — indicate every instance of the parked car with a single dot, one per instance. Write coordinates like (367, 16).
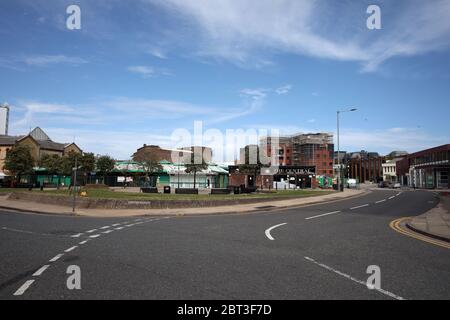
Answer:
(396, 185)
(383, 184)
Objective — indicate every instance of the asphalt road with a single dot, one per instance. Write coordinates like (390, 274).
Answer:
(317, 253)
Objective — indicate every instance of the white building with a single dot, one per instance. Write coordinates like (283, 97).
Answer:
(390, 170)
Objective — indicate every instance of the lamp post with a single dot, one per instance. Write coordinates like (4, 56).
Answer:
(74, 185)
(339, 178)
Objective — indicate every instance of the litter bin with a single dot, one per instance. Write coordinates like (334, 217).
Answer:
(236, 190)
(166, 189)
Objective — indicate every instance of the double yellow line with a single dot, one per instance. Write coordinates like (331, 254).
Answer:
(397, 227)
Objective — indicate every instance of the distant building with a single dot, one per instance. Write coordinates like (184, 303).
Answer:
(396, 154)
(4, 119)
(364, 166)
(310, 149)
(199, 152)
(390, 170)
(159, 154)
(38, 142)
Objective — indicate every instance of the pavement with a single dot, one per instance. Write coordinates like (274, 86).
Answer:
(317, 251)
(436, 222)
(33, 207)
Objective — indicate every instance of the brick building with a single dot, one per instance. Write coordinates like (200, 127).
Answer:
(428, 168)
(38, 142)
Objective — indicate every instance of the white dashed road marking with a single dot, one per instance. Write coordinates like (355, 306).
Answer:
(390, 294)
(41, 270)
(28, 283)
(364, 205)
(268, 235)
(23, 288)
(70, 249)
(391, 197)
(381, 201)
(77, 235)
(322, 215)
(56, 257)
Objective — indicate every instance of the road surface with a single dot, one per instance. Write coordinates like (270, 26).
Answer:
(315, 252)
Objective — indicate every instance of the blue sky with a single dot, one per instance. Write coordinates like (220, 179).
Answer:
(138, 70)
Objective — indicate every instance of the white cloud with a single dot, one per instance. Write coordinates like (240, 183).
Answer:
(244, 33)
(148, 72)
(158, 53)
(284, 89)
(145, 71)
(46, 60)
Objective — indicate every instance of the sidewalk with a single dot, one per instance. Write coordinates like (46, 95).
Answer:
(436, 222)
(34, 207)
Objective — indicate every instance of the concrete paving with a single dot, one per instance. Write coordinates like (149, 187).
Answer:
(241, 208)
(436, 222)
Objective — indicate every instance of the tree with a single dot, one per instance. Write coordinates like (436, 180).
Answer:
(149, 162)
(105, 164)
(252, 163)
(19, 161)
(53, 163)
(197, 163)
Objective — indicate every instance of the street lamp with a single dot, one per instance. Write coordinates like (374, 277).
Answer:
(339, 178)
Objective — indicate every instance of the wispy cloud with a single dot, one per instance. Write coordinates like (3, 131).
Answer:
(145, 71)
(158, 53)
(284, 89)
(148, 72)
(46, 60)
(242, 32)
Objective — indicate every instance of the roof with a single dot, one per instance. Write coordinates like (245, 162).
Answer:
(9, 140)
(39, 135)
(168, 167)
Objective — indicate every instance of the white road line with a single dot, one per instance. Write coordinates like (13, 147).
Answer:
(391, 197)
(105, 227)
(90, 231)
(83, 242)
(390, 294)
(381, 201)
(322, 215)
(116, 224)
(119, 228)
(77, 235)
(107, 231)
(364, 205)
(23, 288)
(268, 235)
(94, 236)
(56, 257)
(138, 219)
(130, 225)
(71, 248)
(41, 270)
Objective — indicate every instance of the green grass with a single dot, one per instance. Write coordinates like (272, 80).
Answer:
(109, 194)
